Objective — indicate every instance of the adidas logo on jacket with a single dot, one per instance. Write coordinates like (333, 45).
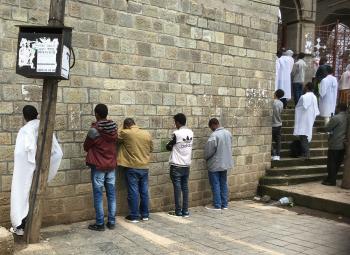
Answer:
(181, 147)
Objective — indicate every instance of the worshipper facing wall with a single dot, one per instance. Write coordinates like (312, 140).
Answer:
(24, 167)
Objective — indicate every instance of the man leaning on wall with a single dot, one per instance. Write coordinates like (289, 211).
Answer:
(218, 154)
(134, 155)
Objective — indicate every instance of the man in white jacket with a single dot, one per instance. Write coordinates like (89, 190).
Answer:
(180, 146)
(24, 167)
(305, 116)
(328, 95)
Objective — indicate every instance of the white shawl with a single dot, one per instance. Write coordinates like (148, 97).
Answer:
(24, 167)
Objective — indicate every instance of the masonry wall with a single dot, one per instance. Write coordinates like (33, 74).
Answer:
(148, 59)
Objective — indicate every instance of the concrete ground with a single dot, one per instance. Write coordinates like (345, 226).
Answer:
(246, 228)
(317, 190)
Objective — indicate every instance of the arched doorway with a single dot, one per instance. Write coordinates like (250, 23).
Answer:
(288, 24)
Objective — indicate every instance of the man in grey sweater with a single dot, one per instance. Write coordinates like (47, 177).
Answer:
(218, 154)
(337, 127)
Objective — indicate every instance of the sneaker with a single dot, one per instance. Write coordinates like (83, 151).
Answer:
(130, 219)
(173, 213)
(210, 207)
(17, 231)
(145, 219)
(276, 158)
(186, 214)
(96, 227)
(224, 208)
(110, 226)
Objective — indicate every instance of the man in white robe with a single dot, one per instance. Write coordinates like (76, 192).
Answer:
(24, 167)
(328, 95)
(284, 82)
(305, 114)
(344, 86)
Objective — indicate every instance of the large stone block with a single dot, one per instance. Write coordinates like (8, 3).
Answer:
(6, 242)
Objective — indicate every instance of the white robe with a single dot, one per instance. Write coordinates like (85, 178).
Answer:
(345, 81)
(305, 115)
(328, 95)
(285, 64)
(24, 167)
(277, 73)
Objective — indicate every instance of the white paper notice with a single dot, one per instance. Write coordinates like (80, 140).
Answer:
(46, 55)
(65, 62)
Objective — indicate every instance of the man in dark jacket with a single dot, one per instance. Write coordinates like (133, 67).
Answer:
(337, 127)
(100, 145)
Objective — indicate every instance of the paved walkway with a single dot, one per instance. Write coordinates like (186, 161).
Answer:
(246, 228)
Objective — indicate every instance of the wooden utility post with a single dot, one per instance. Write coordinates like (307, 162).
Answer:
(346, 173)
(44, 145)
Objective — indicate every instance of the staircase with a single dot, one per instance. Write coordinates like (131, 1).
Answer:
(301, 179)
(290, 171)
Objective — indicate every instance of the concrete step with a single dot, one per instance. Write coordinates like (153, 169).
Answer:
(315, 136)
(296, 170)
(290, 162)
(323, 198)
(294, 179)
(314, 152)
(290, 123)
(313, 144)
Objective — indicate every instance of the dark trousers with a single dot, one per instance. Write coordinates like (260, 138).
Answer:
(179, 177)
(305, 151)
(276, 138)
(334, 161)
(297, 91)
(137, 181)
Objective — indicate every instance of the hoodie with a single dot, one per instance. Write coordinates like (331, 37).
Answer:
(100, 145)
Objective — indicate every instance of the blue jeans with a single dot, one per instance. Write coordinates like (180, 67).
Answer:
(137, 181)
(298, 91)
(100, 179)
(218, 183)
(179, 177)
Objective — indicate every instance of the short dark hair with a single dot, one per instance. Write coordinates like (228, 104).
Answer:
(279, 93)
(128, 122)
(101, 110)
(342, 107)
(30, 113)
(329, 69)
(301, 55)
(213, 121)
(309, 86)
(180, 118)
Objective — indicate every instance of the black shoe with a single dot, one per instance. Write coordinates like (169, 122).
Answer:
(173, 213)
(328, 183)
(130, 219)
(110, 226)
(97, 227)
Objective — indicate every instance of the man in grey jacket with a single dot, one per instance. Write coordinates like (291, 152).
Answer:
(337, 127)
(218, 154)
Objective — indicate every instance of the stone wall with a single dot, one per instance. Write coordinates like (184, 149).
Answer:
(148, 59)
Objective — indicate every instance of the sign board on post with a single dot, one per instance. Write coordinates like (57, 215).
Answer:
(44, 52)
